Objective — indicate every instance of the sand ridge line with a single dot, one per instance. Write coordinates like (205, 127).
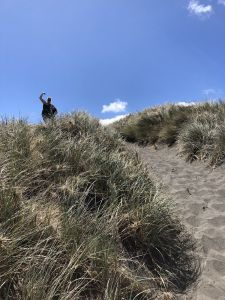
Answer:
(198, 192)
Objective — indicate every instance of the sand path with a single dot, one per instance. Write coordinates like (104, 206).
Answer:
(199, 195)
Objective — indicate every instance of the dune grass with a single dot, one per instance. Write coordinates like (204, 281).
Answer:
(81, 218)
(197, 129)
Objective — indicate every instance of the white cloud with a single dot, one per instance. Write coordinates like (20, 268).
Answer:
(183, 103)
(116, 106)
(221, 2)
(199, 9)
(112, 120)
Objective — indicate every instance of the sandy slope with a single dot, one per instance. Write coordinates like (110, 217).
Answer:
(199, 194)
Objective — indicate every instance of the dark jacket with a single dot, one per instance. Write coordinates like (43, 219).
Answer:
(49, 110)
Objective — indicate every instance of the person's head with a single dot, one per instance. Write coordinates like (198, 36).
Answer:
(49, 100)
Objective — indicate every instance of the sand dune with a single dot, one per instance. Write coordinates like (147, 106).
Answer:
(199, 195)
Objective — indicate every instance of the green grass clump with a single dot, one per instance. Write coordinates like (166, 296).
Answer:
(81, 218)
(204, 137)
(197, 129)
(154, 125)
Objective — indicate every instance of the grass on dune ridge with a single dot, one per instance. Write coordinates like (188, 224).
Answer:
(198, 130)
(81, 218)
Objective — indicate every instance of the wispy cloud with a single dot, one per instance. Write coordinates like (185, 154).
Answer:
(213, 93)
(112, 120)
(115, 107)
(221, 2)
(198, 9)
(208, 92)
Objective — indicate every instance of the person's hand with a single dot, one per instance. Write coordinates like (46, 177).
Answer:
(42, 94)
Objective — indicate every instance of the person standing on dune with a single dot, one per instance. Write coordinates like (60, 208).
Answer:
(49, 111)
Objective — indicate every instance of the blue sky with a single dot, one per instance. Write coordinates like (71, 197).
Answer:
(124, 55)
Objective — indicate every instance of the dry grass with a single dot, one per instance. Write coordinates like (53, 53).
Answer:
(198, 129)
(81, 218)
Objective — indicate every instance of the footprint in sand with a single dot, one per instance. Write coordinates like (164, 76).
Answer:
(203, 212)
(196, 207)
(219, 266)
(216, 243)
(218, 221)
(192, 220)
(221, 193)
(219, 207)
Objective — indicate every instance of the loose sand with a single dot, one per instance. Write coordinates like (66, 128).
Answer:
(199, 195)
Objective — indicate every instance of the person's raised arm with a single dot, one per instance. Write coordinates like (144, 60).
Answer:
(41, 98)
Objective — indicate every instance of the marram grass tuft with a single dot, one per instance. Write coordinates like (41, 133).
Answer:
(198, 129)
(81, 218)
